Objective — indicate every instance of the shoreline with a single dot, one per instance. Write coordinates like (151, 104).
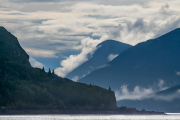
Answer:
(76, 112)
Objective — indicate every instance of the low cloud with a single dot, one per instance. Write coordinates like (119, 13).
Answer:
(161, 85)
(88, 46)
(112, 56)
(76, 78)
(140, 93)
(177, 73)
(103, 66)
(35, 63)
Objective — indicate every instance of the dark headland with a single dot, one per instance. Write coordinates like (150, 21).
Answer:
(28, 90)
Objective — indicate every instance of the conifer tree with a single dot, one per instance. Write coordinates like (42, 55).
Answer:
(53, 72)
(49, 72)
(43, 69)
(109, 88)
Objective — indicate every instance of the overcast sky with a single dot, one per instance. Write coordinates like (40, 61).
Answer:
(60, 33)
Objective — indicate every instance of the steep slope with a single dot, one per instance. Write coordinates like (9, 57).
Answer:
(24, 87)
(10, 47)
(105, 50)
(142, 65)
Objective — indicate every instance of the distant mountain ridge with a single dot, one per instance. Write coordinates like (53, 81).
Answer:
(144, 65)
(105, 52)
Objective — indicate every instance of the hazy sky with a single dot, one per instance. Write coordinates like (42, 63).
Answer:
(60, 33)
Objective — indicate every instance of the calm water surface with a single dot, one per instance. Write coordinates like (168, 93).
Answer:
(91, 117)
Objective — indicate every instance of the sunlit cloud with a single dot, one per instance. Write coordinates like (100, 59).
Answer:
(41, 53)
(88, 47)
(51, 27)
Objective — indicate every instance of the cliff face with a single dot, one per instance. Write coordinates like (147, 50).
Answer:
(10, 47)
(24, 87)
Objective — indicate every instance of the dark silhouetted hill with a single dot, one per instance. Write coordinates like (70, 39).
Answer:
(10, 47)
(25, 87)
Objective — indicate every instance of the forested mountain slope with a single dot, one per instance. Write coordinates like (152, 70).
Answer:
(22, 86)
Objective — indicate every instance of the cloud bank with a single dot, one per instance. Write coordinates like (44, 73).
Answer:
(88, 46)
(52, 29)
(140, 93)
(127, 29)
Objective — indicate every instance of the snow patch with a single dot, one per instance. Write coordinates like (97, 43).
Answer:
(112, 56)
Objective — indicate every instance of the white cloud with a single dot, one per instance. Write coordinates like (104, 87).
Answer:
(103, 66)
(142, 30)
(126, 29)
(35, 63)
(177, 73)
(88, 46)
(41, 53)
(161, 85)
(76, 78)
(112, 56)
(140, 93)
(127, 21)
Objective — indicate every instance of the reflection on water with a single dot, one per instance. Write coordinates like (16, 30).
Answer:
(91, 117)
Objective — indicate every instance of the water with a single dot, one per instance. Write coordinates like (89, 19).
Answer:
(91, 117)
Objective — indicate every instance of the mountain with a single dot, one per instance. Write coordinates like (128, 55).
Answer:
(106, 51)
(143, 65)
(25, 87)
(10, 47)
(165, 100)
